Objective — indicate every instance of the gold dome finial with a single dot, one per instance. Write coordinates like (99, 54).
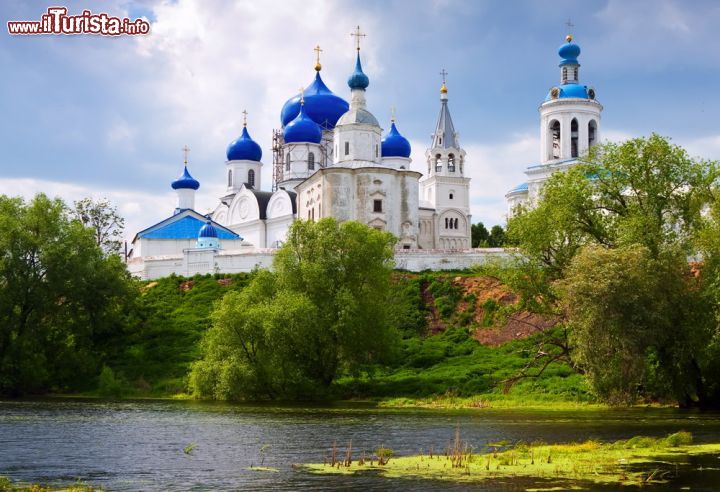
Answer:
(443, 87)
(318, 66)
(568, 38)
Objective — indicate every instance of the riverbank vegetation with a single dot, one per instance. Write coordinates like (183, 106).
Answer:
(636, 461)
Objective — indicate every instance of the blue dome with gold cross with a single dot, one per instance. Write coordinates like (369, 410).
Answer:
(321, 105)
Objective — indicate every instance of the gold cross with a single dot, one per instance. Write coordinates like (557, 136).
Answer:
(569, 24)
(392, 114)
(244, 113)
(185, 150)
(302, 96)
(357, 35)
(444, 74)
(317, 62)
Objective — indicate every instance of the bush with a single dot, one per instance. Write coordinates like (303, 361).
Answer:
(681, 438)
(110, 385)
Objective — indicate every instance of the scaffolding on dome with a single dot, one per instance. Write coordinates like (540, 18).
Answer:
(278, 166)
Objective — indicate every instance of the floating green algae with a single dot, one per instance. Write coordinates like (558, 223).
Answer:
(622, 462)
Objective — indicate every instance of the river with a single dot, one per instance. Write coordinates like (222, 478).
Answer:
(139, 445)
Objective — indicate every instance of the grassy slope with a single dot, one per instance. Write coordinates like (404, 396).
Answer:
(446, 369)
(173, 314)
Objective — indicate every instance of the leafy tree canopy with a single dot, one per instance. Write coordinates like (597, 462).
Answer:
(617, 231)
(325, 309)
(104, 220)
(61, 298)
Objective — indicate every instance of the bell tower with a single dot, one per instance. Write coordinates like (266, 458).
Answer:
(445, 187)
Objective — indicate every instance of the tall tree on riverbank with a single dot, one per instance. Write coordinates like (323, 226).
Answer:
(324, 310)
(61, 297)
(617, 231)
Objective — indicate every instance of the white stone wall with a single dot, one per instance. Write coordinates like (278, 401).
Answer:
(202, 262)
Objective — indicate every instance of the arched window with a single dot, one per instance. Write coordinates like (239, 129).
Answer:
(347, 148)
(311, 161)
(456, 224)
(376, 150)
(451, 163)
(251, 178)
(446, 223)
(573, 138)
(230, 178)
(592, 133)
(438, 164)
(554, 147)
(287, 162)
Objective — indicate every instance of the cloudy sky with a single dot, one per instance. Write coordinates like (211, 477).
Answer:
(107, 117)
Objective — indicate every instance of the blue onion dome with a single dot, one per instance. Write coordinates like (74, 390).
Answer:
(569, 52)
(244, 148)
(185, 181)
(394, 144)
(302, 129)
(208, 230)
(571, 90)
(358, 79)
(321, 105)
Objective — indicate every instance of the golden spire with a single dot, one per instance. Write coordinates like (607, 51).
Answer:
(244, 113)
(185, 150)
(443, 87)
(317, 50)
(357, 34)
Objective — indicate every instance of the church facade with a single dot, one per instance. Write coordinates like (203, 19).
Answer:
(331, 159)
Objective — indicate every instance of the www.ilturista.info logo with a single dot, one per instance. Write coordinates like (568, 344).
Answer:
(56, 21)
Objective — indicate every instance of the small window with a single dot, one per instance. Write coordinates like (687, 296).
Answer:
(451, 163)
(230, 183)
(446, 223)
(251, 178)
(311, 161)
(406, 246)
(376, 150)
(439, 140)
(347, 148)
(377, 206)
(451, 196)
(287, 162)
(456, 224)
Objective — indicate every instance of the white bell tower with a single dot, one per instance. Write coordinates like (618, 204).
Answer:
(445, 186)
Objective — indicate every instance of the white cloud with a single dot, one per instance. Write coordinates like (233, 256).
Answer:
(208, 68)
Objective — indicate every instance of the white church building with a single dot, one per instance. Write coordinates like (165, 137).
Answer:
(331, 159)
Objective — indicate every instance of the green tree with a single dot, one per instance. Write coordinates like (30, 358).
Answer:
(497, 237)
(324, 310)
(640, 202)
(61, 299)
(104, 220)
(644, 191)
(479, 235)
(639, 325)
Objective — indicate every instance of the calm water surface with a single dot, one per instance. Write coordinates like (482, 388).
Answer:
(139, 445)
